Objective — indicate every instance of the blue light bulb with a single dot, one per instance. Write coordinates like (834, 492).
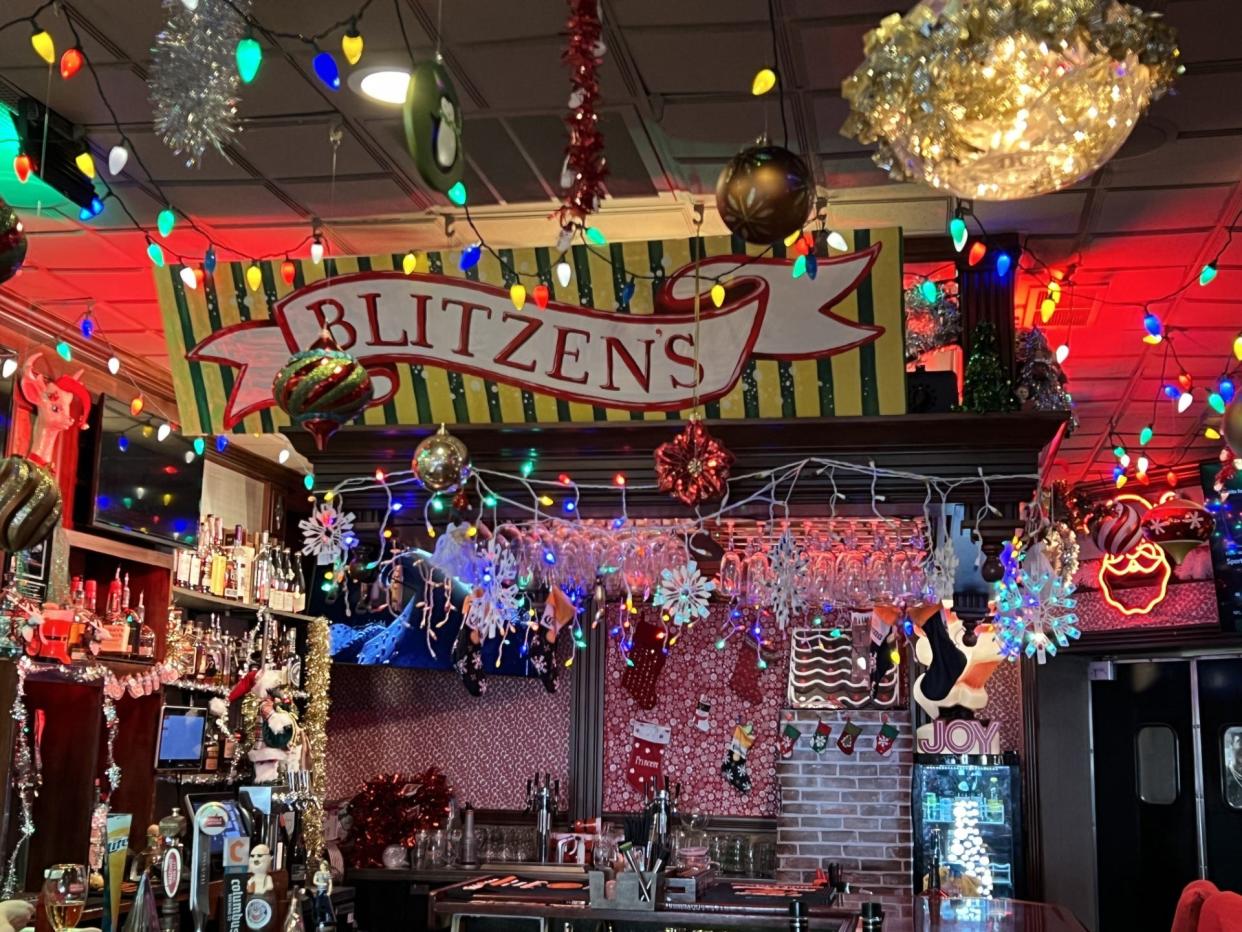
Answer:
(1003, 262)
(328, 72)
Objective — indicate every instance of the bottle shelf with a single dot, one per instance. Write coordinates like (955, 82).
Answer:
(206, 602)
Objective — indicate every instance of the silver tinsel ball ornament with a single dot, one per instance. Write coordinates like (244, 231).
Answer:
(194, 80)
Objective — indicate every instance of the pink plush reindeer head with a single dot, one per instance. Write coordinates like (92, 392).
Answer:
(59, 405)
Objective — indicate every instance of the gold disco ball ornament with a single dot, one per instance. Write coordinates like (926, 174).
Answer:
(441, 462)
(1006, 99)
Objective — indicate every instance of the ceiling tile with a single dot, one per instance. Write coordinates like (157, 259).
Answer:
(662, 56)
(831, 53)
(227, 201)
(1160, 209)
(304, 150)
(638, 13)
(1190, 161)
(1196, 103)
(352, 198)
(1052, 213)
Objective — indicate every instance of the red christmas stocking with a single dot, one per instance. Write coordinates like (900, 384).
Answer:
(648, 656)
(646, 754)
(788, 740)
(849, 737)
(885, 739)
(745, 679)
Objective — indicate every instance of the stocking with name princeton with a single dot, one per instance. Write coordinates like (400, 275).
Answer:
(646, 761)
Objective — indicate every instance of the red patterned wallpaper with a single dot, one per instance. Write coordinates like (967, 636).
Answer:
(386, 719)
(694, 667)
(1005, 704)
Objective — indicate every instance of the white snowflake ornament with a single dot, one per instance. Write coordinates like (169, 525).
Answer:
(684, 593)
(327, 534)
(495, 601)
(785, 586)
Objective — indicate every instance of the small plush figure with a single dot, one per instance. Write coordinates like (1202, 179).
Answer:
(260, 881)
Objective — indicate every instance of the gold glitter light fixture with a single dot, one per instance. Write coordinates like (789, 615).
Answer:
(1005, 99)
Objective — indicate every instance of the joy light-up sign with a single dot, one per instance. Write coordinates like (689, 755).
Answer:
(1143, 561)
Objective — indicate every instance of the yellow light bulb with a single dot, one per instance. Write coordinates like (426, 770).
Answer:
(45, 48)
(351, 47)
(1212, 433)
(545, 500)
(517, 294)
(792, 238)
(718, 294)
(85, 163)
(409, 262)
(765, 80)
(1237, 347)
(1047, 308)
(1054, 291)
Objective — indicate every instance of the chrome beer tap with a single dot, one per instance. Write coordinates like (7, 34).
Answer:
(541, 797)
(661, 806)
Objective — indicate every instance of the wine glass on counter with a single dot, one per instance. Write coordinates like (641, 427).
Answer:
(64, 894)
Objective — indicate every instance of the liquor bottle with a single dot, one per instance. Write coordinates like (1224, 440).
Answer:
(278, 597)
(219, 558)
(125, 594)
(262, 572)
(146, 634)
(194, 570)
(112, 608)
(995, 808)
(292, 662)
(299, 605)
(286, 561)
(77, 599)
(233, 565)
(181, 567)
(203, 582)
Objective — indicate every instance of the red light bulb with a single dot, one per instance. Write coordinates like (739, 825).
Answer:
(977, 251)
(564, 479)
(287, 271)
(71, 62)
(1185, 382)
(540, 295)
(22, 167)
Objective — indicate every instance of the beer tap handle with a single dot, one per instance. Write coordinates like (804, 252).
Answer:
(556, 793)
(530, 798)
(666, 783)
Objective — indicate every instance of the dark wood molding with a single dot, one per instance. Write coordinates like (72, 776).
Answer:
(951, 445)
(1034, 854)
(586, 729)
(1188, 638)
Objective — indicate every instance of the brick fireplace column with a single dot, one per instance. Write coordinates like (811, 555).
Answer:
(854, 810)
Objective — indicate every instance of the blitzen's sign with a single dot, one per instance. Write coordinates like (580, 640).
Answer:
(618, 360)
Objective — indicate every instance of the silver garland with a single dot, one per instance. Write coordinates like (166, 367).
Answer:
(194, 79)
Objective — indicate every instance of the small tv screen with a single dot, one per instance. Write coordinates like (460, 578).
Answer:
(181, 738)
(144, 486)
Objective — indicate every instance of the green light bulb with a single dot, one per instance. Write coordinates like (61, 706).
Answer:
(528, 467)
(929, 292)
(249, 58)
(1145, 435)
(1208, 274)
(1217, 402)
(457, 194)
(1119, 451)
(309, 481)
(199, 445)
(957, 230)
(799, 267)
(595, 237)
(165, 222)
(64, 351)
(720, 644)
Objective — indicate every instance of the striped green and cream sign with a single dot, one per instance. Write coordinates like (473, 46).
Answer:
(616, 344)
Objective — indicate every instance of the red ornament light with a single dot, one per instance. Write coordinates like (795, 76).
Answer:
(200, 276)
(619, 480)
(564, 479)
(22, 167)
(694, 466)
(136, 405)
(978, 249)
(71, 62)
(1172, 479)
(1185, 382)
(540, 294)
(287, 271)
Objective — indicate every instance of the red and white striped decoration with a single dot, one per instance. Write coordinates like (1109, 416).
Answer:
(1120, 531)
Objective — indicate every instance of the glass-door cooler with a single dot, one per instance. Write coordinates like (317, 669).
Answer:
(968, 820)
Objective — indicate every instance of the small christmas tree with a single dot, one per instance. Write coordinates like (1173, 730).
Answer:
(986, 387)
(1041, 380)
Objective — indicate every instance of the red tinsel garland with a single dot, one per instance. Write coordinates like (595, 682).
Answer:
(390, 810)
(585, 164)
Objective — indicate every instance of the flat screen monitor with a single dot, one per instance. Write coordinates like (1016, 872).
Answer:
(144, 486)
(182, 730)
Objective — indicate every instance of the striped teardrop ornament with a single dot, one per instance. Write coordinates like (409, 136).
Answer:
(29, 503)
(322, 388)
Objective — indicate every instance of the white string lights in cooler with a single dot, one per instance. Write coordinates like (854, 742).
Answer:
(526, 538)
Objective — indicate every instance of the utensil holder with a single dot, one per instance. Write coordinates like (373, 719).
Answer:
(627, 895)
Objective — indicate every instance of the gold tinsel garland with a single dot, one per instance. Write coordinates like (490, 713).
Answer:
(315, 726)
(1006, 98)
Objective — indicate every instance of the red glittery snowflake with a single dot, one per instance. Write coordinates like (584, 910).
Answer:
(693, 466)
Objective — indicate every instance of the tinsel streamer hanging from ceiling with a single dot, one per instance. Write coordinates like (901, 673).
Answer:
(194, 79)
(315, 724)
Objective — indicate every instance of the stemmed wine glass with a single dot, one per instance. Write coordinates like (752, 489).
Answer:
(64, 894)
